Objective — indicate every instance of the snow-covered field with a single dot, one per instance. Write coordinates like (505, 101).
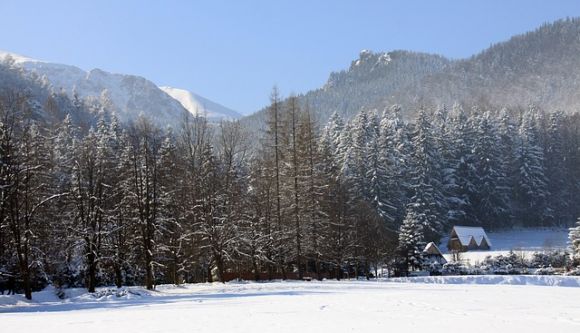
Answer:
(330, 306)
(523, 242)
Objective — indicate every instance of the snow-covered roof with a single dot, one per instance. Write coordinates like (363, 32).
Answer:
(465, 234)
(432, 248)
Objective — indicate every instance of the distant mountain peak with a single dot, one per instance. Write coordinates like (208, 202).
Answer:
(127, 95)
(377, 74)
(371, 58)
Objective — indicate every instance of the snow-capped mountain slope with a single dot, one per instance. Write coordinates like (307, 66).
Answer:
(18, 59)
(199, 105)
(127, 95)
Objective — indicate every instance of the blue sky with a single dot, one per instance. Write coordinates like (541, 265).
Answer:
(233, 52)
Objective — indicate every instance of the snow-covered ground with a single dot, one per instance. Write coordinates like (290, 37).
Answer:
(514, 280)
(330, 306)
(523, 242)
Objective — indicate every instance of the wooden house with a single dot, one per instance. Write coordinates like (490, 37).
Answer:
(432, 254)
(464, 239)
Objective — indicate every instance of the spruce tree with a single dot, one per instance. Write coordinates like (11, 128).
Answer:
(411, 236)
(426, 179)
(393, 154)
(461, 191)
(557, 175)
(491, 200)
(531, 188)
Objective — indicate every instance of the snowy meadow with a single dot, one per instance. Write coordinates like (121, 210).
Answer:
(510, 303)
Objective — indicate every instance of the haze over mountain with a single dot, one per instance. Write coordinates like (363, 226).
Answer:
(200, 105)
(126, 95)
(541, 67)
(372, 77)
(45, 105)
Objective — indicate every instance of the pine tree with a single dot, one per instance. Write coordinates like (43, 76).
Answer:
(491, 200)
(388, 173)
(383, 192)
(412, 238)
(400, 154)
(364, 131)
(506, 151)
(557, 175)
(460, 170)
(331, 133)
(531, 185)
(447, 127)
(426, 179)
(334, 161)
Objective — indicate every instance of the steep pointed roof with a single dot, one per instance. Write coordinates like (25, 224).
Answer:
(432, 248)
(466, 234)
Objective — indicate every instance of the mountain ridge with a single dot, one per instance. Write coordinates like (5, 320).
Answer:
(124, 94)
(539, 67)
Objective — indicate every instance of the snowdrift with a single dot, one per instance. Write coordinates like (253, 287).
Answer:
(534, 280)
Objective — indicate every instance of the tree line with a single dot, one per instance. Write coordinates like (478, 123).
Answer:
(134, 203)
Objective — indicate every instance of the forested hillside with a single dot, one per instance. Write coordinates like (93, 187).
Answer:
(142, 205)
(540, 67)
(43, 104)
(370, 79)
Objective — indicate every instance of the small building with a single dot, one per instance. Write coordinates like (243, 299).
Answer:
(464, 239)
(432, 254)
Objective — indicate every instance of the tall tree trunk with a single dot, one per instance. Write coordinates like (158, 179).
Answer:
(293, 110)
(26, 284)
(220, 268)
(209, 275)
(148, 266)
(317, 265)
(270, 272)
(275, 110)
(118, 275)
(255, 268)
(25, 274)
(92, 267)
